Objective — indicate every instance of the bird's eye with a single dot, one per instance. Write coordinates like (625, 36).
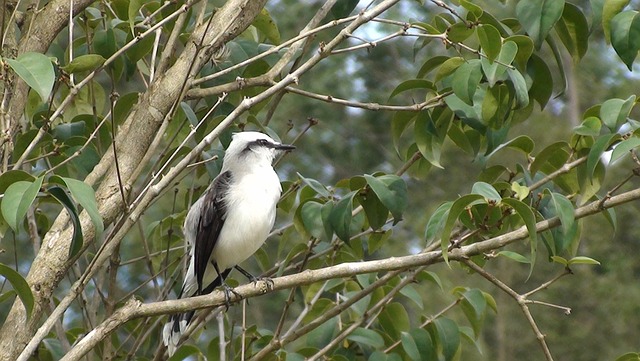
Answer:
(262, 141)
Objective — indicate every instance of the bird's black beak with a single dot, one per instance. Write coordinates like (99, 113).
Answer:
(285, 147)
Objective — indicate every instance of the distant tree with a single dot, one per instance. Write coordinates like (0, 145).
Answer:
(115, 114)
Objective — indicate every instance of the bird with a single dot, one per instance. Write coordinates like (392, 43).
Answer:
(229, 222)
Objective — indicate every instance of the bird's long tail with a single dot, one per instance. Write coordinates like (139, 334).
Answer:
(177, 324)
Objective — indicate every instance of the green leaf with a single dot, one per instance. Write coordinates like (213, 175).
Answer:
(624, 147)
(89, 62)
(466, 79)
(539, 17)
(614, 112)
(557, 259)
(430, 64)
(315, 185)
(366, 337)
(583, 260)
(436, 222)
(83, 193)
(448, 337)
(133, 11)
(563, 209)
(340, 217)
(573, 30)
(265, 24)
(77, 239)
(459, 32)
(474, 306)
(528, 217)
(542, 85)
(625, 36)
(20, 286)
(17, 199)
(411, 293)
(448, 67)
(494, 71)
(490, 41)
(522, 143)
(589, 127)
(427, 140)
(524, 47)
(36, 70)
(410, 347)
(456, 209)
(392, 192)
(487, 191)
(394, 319)
(520, 86)
(424, 343)
(520, 191)
(514, 256)
(610, 9)
(597, 149)
(410, 85)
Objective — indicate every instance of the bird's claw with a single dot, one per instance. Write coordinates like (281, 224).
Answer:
(227, 295)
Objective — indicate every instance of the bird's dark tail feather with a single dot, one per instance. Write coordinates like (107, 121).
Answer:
(177, 324)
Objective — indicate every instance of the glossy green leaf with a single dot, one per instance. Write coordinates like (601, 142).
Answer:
(554, 150)
(557, 259)
(366, 337)
(315, 185)
(490, 41)
(600, 146)
(589, 127)
(573, 30)
(89, 62)
(77, 239)
(539, 17)
(583, 260)
(340, 217)
(474, 306)
(133, 11)
(614, 112)
(431, 64)
(392, 192)
(424, 343)
(310, 214)
(528, 217)
(559, 58)
(514, 256)
(411, 293)
(563, 209)
(456, 209)
(465, 112)
(20, 286)
(410, 85)
(265, 24)
(36, 70)
(525, 49)
(17, 199)
(448, 337)
(436, 222)
(400, 122)
(459, 32)
(487, 191)
(466, 79)
(610, 9)
(410, 347)
(522, 143)
(495, 71)
(395, 320)
(624, 147)
(85, 196)
(428, 142)
(542, 86)
(520, 86)
(472, 8)
(625, 36)
(448, 67)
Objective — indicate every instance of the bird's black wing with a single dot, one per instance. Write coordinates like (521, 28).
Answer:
(211, 220)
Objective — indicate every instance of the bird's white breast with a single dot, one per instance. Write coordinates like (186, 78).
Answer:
(251, 212)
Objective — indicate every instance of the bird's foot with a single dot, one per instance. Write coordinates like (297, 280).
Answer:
(267, 280)
(227, 295)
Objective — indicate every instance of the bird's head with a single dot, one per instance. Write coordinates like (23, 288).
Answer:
(253, 147)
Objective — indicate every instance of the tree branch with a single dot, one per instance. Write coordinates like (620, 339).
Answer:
(136, 309)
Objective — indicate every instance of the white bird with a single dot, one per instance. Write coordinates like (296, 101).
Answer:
(230, 221)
